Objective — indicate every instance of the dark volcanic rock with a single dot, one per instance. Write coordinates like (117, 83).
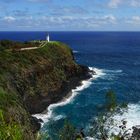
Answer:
(35, 124)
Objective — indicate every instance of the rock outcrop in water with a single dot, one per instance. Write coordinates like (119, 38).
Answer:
(32, 80)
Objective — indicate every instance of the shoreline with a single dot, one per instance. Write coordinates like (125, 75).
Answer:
(47, 114)
(74, 81)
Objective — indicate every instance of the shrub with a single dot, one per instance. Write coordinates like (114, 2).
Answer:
(10, 131)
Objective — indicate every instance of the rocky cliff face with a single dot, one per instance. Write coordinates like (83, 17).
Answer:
(35, 79)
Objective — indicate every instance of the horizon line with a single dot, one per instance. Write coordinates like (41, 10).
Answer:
(73, 31)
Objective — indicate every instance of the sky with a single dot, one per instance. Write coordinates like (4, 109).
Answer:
(69, 15)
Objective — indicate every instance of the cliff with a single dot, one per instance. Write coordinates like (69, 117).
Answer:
(30, 81)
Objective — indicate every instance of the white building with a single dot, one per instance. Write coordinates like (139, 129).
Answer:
(48, 38)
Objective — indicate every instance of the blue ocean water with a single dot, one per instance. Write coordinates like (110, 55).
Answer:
(115, 54)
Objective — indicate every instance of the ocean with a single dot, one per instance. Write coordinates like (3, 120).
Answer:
(115, 57)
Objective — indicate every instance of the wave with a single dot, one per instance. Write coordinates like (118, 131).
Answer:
(59, 117)
(112, 74)
(113, 71)
(84, 84)
(75, 51)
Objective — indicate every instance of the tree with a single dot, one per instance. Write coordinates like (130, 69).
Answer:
(68, 132)
(111, 101)
(104, 123)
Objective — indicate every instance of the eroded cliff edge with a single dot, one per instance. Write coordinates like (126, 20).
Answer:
(31, 80)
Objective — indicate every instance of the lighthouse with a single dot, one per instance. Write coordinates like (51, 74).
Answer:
(48, 38)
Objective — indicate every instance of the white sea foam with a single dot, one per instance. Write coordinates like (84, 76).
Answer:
(131, 116)
(75, 51)
(85, 84)
(90, 138)
(113, 71)
(111, 74)
(56, 118)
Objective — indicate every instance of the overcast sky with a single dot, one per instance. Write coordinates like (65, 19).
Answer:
(70, 15)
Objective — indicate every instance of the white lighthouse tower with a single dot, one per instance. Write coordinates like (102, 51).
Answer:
(48, 38)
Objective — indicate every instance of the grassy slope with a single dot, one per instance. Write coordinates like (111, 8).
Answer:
(28, 74)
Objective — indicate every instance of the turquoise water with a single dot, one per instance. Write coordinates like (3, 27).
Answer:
(116, 57)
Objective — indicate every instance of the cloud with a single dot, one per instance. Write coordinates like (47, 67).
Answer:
(20, 13)
(59, 22)
(110, 18)
(135, 3)
(14, 1)
(38, 0)
(134, 20)
(117, 3)
(80, 21)
(114, 3)
(5, 1)
(61, 11)
(67, 15)
(9, 18)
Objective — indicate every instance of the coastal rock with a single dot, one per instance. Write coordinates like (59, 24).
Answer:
(36, 124)
(136, 133)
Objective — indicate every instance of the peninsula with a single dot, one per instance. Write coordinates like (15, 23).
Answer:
(31, 80)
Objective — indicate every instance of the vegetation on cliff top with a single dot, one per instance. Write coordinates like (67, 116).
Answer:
(10, 45)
